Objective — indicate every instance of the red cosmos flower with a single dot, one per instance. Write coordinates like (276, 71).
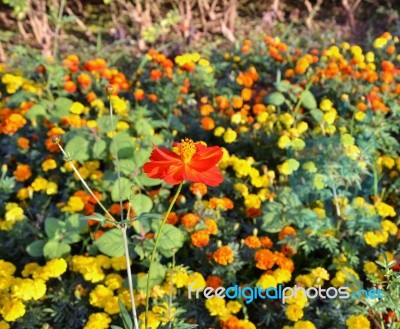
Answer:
(187, 160)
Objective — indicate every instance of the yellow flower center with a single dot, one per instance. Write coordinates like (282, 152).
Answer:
(186, 149)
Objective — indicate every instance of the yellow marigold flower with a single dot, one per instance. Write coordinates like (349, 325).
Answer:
(111, 305)
(99, 296)
(39, 184)
(119, 105)
(380, 42)
(389, 227)
(284, 142)
(103, 261)
(75, 204)
(118, 263)
(320, 273)
(230, 136)
(77, 108)
(98, 321)
(179, 277)
(49, 164)
(12, 309)
(216, 306)
(385, 210)
(352, 151)
(266, 281)
(55, 268)
(302, 127)
(29, 269)
(358, 322)
(300, 299)
(4, 325)
(370, 267)
(114, 281)
(28, 289)
(326, 105)
(389, 257)
(252, 201)
(122, 125)
(321, 213)
(197, 280)
(241, 188)
(52, 188)
(387, 161)
(359, 115)
(330, 116)
(287, 119)
(219, 131)
(288, 167)
(304, 325)
(305, 280)
(7, 269)
(282, 275)
(262, 117)
(14, 212)
(153, 320)
(233, 306)
(294, 312)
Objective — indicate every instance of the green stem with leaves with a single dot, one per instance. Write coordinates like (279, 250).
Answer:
(153, 254)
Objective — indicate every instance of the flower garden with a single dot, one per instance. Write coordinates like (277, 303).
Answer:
(271, 165)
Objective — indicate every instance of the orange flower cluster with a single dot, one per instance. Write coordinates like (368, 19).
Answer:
(223, 255)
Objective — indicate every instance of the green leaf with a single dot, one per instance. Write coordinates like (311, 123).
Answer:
(54, 249)
(127, 166)
(147, 181)
(35, 249)
(308, 100)
(125, 145)
(111, 243)
(61, 107)
(54, 227)
(275, 98)
(35, 112)
(96, 216)
(171, 240)
(71, 237)
(126, 190)
(99, 149)
(141, 157)
(141, 203)
(157, 277)
(126, 319)
(75, 224)
(317, 114)
(78, 148)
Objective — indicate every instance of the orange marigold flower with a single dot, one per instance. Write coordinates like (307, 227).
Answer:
(85, 80)
(187, 161)
(206, 109)
(246, 94)
(22, 173)
(172, 218)
(200, 238)
(237, 102)
(198, 189)
(222, 102)
(207, 123)
(285, 263)
(23, 143)
(252, 242)
(265, 259)
(213, 281)
(223, 255)
(190, 220)
(266, 242)
(155, 74)
(212, 226)
(139, 94)
(70, 86)
(153, 98)
(287, 230)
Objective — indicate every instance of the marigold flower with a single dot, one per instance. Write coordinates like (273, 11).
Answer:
(223, 255)
(265, 259)
(358, 322)
(200, 238)
(188, 160)
(22, 173)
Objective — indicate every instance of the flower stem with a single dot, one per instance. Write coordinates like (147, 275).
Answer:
(155, 250)
(129, 273)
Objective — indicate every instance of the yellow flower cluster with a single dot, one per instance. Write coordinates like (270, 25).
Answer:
(14, 213)
(98, 321)
(12, 82)
(160, 314)
(41, 184)
(301, 325)
(294, 310)
(14, 291)
(218, 307)
(344, 275)
(374, 238)
(358, 322)
(315, 278)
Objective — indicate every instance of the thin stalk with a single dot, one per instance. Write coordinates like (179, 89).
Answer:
(116, 160)
(154, 252)
(124, 227)
(84, 183)
(129, 273)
